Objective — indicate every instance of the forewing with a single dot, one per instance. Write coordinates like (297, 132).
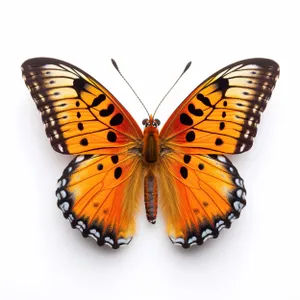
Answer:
(80, 115)
(221, 115)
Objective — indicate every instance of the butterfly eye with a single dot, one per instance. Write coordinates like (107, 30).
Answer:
(157, 121)
(144, 122)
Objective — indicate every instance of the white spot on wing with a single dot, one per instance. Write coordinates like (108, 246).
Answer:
(95, 233)
(239, 182)
(64, 206)
(109, 240)
(71, 218)
(205, 233)
(238, 206)
(177, 240)
(79, 158)
(192, 239)
(221, 158)
(220, 225)
(231, 217)
(239, 193)
(81, 226)
(124, 241)
(63, 194)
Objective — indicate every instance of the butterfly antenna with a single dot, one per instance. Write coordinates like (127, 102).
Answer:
(117, 68)
(185, 69)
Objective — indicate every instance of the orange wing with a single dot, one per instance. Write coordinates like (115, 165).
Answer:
(100, 194)
(202, 191)
(81, 116)
(222, 113)
(201, 195)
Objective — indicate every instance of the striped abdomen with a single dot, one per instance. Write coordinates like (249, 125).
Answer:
(150, 197)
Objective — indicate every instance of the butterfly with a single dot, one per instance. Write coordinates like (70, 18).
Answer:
(183, 166)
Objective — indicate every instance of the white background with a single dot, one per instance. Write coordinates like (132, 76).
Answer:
(41, 257)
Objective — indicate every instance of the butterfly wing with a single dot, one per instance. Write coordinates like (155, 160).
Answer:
(201, 195)
(202, 191)
(221, 115)
(99, 194)
(80, 115)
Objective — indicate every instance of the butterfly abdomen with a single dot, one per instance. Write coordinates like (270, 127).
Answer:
(150, 197)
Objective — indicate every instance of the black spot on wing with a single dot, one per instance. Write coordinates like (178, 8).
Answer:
(98, 100)
(204, 100)
(78, 85)
(115, 159)
(111, 136)
(187, 158)
(107, 112)
(219, 142)
(184, 172)
(186, 119)
(201, 166)
(118, 172)
(116, 120)
(223, 84)
(80, 126)
(194, 111)
(190, 136)
(84, 142)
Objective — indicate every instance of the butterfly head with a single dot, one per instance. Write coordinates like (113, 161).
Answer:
(151, 122)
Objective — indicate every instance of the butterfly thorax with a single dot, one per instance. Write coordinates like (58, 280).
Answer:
(151, 146)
